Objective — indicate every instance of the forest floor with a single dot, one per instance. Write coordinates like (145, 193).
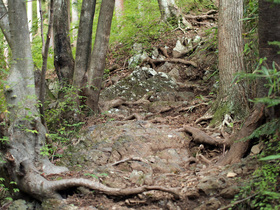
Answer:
(152, 140)
(170, 156)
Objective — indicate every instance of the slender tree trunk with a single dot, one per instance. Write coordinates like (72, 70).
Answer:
(84, 44)
(119, 9)
(4, 21)
(38, 11)
(29, 17)
(167, 9)
(45, 53)
(63, 58)
(74, 20)
(98, 58)
(230, 53)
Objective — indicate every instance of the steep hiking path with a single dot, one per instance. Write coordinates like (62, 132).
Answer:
(154, 133)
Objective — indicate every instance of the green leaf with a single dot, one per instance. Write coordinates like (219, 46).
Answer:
(271, 157)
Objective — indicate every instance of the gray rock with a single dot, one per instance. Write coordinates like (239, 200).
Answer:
(211, 204)
(138, 48)
(172, 206)
(179, 50)
(175, 74)
(141, 81)
(211, 185)
(166, 67)
(229, 192)
(137, 177)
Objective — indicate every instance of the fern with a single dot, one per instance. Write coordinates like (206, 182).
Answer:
(267, 129)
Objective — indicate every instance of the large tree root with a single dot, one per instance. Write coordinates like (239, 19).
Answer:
(239, 147)
(40, 188)
(201, 137)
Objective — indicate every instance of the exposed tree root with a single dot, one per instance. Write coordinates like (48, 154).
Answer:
(164, 51)
(200, 17)
(191, 108)
(201, 137)
(172, 60)
(40, 188)
(204, 118)
(129, 159)
(239, 147)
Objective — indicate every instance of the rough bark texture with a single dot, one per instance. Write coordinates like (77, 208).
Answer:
(63, 59)
(26, 132)
(98, 57)
(269, 27)
(83, 49)
(230, 50)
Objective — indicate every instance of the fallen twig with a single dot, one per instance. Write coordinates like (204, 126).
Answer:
(173, 60)
(237, 202)
(129, 159)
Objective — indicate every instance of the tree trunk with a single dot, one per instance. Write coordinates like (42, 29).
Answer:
(119, 5)
(29, 18)
(4, 21)
(63, 59)
(269, 27)
(74, 20)
(26, 133)
(167, 9)
(269, 22)
(45, 53)
(98, 58)
(231, 95)
(84, 44)
(230, 55)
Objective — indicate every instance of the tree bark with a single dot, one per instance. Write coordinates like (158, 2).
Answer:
(98, 58)
(269, 27)
(230, 53)
(119, 5)
(26, 132)
(63, 58)
(74, 21)
(29, 18)
(45, 53)
(167, 9)
(84, 44)
(4, 22)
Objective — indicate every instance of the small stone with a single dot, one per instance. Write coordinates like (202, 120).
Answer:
(238, 171)
(231, 174)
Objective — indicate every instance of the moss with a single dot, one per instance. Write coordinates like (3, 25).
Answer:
(220, 113)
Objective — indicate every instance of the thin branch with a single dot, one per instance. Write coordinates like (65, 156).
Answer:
(44, 66)
(42, 27)
(237, 202)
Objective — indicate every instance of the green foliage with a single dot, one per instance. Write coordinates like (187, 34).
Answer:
(140, 23)
(3, 74)
(250, 34)
(6, 194)
(195, 5)
(62, 120)
(36, 48)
